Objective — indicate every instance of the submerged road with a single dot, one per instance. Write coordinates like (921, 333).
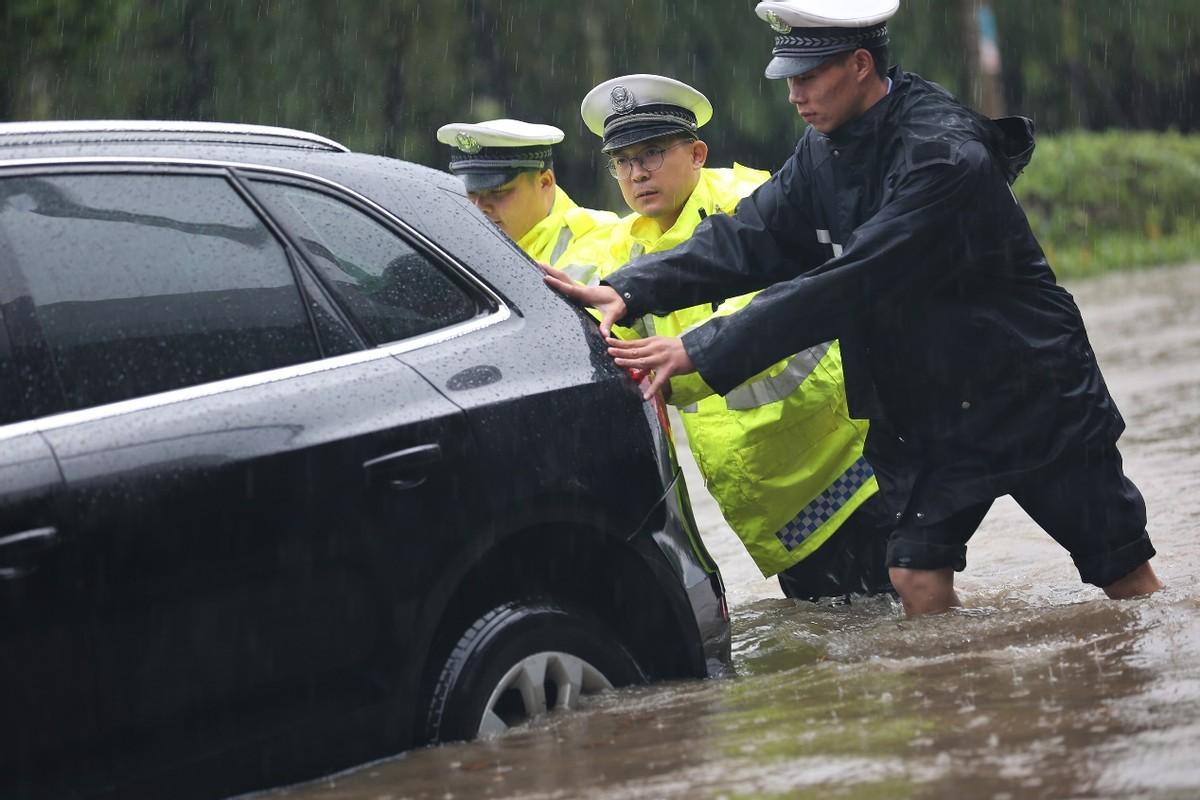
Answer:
(1038, 688)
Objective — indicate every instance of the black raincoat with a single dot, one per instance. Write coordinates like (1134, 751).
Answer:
(899, 235)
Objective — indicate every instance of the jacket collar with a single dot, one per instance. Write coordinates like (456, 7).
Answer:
(874, 118)
(646, 232)
(541, 237)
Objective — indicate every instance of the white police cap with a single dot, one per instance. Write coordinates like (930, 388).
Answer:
(637, 108)
(810, 32)
(488, 154)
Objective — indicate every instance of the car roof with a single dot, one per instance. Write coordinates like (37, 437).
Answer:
(228, 144)
(111, 131)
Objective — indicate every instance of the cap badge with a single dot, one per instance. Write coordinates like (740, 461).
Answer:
(777, 24)
(621, 100)
(467, 143)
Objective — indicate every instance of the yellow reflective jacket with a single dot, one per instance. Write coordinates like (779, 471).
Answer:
(780, 453)
(569, 233)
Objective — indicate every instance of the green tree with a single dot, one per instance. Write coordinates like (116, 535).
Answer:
(382, 77)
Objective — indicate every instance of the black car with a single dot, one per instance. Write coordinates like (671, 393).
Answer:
(301, 464)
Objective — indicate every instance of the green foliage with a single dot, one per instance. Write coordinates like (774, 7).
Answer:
(1099, 201)
(382, 77)
(1101, 64)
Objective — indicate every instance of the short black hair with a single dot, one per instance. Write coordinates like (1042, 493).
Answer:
(880, 54)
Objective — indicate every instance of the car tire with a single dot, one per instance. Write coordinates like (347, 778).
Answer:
(520, 660)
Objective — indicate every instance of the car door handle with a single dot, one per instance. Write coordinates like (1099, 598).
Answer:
(19, 550)
(404, 469)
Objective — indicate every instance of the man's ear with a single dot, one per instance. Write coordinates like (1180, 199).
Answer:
(699, 153)
(546, 179)
(864, 64)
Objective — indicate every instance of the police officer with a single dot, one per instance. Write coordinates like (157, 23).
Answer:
(815, 521)
(892, 227)
(507, 168)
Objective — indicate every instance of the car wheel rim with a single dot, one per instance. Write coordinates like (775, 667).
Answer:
(536, 684)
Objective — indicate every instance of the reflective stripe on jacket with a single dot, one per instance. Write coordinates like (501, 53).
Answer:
(779, 453)
(569, 235)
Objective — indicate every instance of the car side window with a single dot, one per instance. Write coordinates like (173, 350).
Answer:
(144, 283)
(10, 399)
(393, 291)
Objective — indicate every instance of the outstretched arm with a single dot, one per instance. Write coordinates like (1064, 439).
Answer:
(769, 238)
(915, 239)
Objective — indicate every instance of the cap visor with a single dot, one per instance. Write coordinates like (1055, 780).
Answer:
(482, 181)
(642, 133)
(791, 66)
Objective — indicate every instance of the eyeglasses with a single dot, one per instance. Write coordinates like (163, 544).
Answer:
(650, 159)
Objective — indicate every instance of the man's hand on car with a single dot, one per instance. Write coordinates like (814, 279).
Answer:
(602, 298)
(662, 356)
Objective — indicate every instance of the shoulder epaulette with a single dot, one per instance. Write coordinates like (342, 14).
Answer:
(930, 152)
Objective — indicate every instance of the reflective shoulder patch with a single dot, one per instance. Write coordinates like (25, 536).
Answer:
(560, 246)
(587, 274)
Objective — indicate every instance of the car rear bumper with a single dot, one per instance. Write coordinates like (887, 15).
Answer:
(679, 540)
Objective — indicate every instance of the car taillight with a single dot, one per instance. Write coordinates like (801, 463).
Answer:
(637, 375)
(642, 378)
(660, 408)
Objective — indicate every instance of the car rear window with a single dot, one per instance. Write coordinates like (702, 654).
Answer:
(143, 283)
(391, 290)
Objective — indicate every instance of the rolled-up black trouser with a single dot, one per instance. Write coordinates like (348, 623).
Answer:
(851, 561)
(1082, 499)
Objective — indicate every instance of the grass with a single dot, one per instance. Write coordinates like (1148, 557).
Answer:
(1114, 200)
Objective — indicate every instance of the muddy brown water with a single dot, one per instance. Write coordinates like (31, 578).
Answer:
(1038, 688)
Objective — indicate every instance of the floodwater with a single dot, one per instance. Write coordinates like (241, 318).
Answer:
(1038, 688)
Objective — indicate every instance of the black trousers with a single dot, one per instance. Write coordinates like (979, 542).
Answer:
(852, 561)
(1083, 500)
